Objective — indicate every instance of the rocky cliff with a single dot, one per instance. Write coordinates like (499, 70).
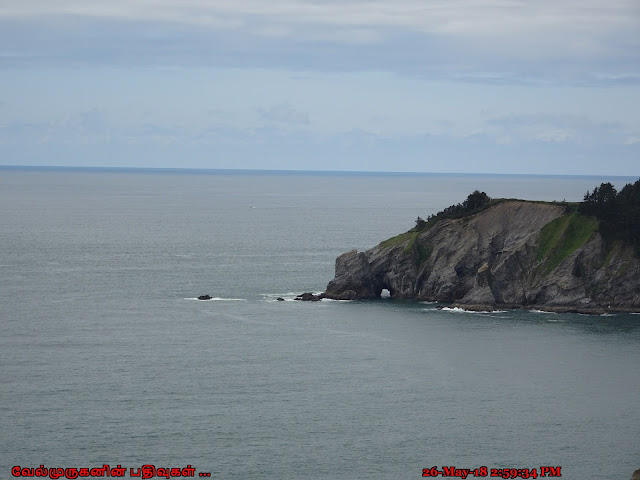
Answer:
(512, 254)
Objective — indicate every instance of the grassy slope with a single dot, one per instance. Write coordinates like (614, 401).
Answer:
(422, 251)
(561, 237)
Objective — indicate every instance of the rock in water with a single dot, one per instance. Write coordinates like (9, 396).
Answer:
(636, 475)
(280, 299)
(309, 297)
(205, 297)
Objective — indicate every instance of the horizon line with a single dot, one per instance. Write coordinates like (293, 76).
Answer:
(291, 171)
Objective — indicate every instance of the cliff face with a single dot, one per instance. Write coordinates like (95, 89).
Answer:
(512, 254)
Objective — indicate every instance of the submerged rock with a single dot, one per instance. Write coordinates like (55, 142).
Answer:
(205, 297)
(280, 299)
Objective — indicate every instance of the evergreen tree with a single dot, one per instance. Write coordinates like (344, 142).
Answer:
(618, 213)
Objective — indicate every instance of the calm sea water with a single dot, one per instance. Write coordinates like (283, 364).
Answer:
(106, 358)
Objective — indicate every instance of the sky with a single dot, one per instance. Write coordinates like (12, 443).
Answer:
(473, 86)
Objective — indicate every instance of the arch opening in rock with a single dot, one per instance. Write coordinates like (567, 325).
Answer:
(385, 293)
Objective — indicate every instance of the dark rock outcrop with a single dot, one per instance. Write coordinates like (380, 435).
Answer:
(495, 259)
(205, 297)
(354, 278)
(309, 297)
(636, 475)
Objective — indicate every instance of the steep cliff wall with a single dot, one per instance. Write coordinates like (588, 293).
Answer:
(512, 254)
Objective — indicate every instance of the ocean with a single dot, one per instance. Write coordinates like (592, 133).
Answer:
(107, 358)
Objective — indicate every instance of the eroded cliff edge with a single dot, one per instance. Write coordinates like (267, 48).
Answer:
(512, 254)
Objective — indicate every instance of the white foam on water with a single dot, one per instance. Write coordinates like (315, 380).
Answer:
(462, 310)
(454, 309)
(276, 295)
(273, 297)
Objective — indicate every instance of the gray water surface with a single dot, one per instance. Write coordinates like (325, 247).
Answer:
(107, 358)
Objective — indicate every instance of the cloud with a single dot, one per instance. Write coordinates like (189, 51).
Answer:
(90, 126)
(496, 18)
(557, 128)
(468, 39)
(283, 113)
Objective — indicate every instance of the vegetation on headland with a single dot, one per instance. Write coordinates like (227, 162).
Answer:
(561, 237)
(616, 215)
(398, 239)
(475, 202)
(420, 251)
